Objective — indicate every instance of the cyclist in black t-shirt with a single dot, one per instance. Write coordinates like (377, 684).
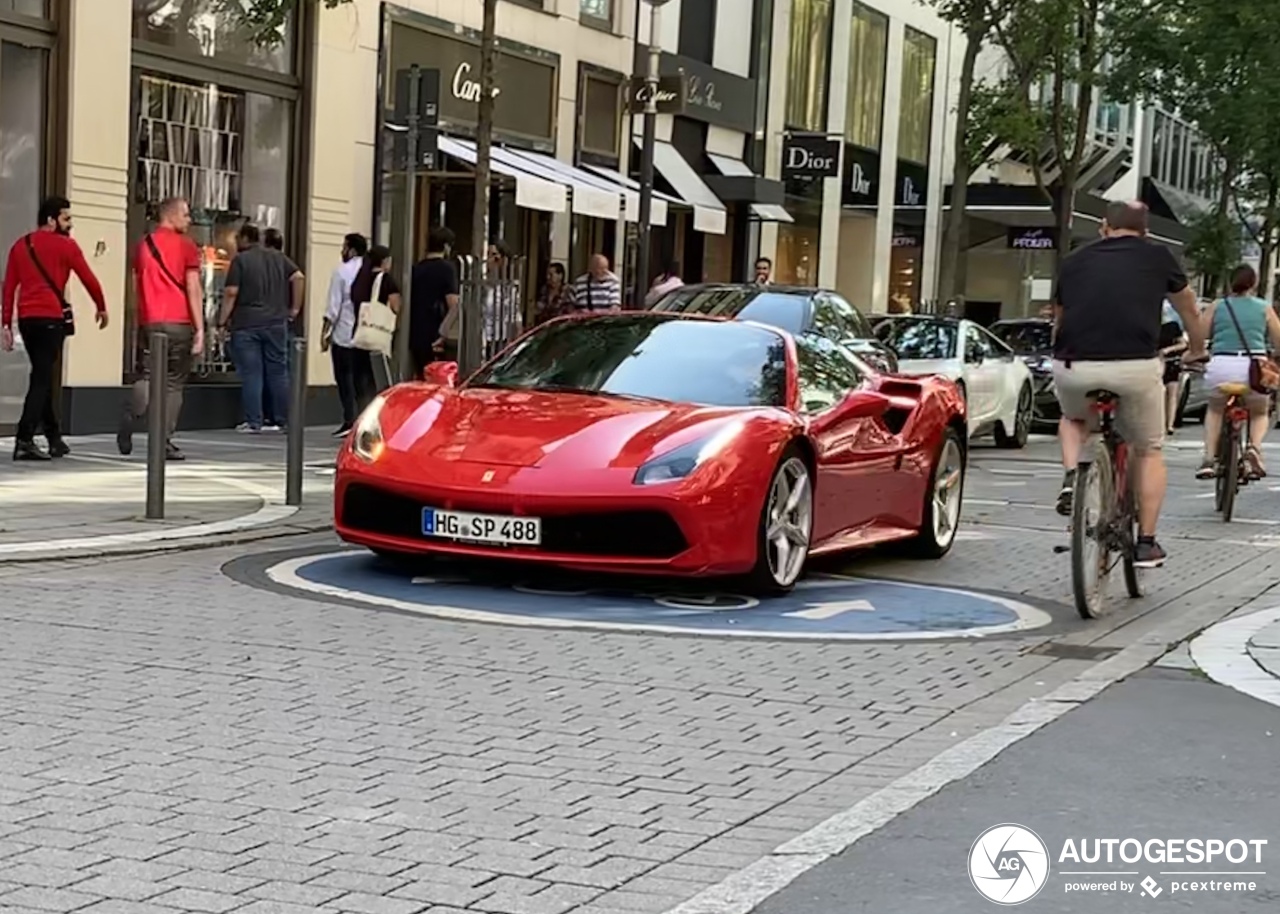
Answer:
(1107, 311)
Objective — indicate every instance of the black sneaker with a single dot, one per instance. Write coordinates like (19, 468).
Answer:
(124, 438)
(58, 448)
(171, 452)
(1066, 495)
(1149, 553)
(342, 431)
(29, 450)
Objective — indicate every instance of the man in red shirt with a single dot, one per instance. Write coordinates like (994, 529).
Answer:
(35, 282)
(166, 283)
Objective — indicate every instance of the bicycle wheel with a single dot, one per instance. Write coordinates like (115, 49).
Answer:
(1127, 528)
(1090, 551)
(1229, 480)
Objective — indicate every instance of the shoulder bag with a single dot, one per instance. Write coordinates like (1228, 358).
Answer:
(375, 322)
(1264, 373)
(68, 315)
(164, 267)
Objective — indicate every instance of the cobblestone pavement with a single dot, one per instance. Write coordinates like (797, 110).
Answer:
(173, 740)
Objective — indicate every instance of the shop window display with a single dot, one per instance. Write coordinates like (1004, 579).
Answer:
(227, 153)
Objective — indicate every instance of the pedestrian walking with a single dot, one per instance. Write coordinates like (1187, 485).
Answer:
(352, 370)
(433, 304)
(556, 297)
(667, 281)
(35, 281)
(373, 283)
(263, 292)
(166, 276)
(598, 289)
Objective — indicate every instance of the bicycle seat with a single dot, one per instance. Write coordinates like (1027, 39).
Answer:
(1234, 389)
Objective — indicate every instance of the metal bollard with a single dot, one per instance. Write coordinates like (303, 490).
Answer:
(296, 445)
(157, 422)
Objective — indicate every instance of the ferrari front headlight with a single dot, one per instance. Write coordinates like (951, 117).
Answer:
(679, 463)
(366, 438)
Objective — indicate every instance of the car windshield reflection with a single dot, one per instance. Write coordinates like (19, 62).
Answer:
(784, 310)
(647, 356)
(1025, 339)
(919, 339)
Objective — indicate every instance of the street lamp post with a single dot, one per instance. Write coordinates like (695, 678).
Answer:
(646, 152)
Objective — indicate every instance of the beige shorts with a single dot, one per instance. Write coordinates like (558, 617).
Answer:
(1140, 384)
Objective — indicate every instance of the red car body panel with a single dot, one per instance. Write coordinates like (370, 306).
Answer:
(571, 459)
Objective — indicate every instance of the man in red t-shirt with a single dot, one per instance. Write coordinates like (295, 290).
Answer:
(35, 282)
(166, 284)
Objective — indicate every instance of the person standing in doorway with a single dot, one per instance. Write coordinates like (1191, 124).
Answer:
(433, 304)
(668, 281)
(598, 289)
(166, 277)
(375, 279)
(262, 289)
(556, 297)
(351, 368)
(764, 271)
(273, 240)
(35, 282)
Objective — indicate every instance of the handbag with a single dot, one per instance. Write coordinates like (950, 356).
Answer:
(1264, 373)
(375, 322)
(68, 315)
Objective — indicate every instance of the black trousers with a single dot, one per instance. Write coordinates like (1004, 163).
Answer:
(43, 340)
(353, 372)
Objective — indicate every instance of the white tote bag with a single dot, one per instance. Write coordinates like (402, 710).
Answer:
(377, 323)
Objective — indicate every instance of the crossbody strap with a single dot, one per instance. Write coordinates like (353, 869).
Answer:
(155, 252)
(31, 251)
(1244, 343)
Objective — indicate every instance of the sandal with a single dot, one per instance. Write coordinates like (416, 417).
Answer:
(1253, 457)
(1208, 469)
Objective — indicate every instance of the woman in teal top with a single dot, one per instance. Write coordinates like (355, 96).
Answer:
(1233, 348)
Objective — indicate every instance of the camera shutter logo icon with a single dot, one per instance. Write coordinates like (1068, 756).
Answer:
(1008, 864)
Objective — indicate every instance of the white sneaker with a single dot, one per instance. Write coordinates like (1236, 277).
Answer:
(245, 428)
(271, 427)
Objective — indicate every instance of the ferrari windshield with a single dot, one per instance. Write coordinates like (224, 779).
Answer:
(912, 338)
(785, 310)
(649, 356)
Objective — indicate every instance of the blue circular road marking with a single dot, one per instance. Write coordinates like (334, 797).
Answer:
(823, 608)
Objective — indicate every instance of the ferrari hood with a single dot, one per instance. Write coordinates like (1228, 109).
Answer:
(546, 430)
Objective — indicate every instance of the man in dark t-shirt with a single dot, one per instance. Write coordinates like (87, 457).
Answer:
(432, 297)
(1107, 307)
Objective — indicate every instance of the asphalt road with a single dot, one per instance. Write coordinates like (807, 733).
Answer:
(1163, 755)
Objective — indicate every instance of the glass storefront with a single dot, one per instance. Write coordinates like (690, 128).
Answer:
(24, 120)
(869, 55)
(919, 52)
(905, 263)
(210, 29)
(808, 65)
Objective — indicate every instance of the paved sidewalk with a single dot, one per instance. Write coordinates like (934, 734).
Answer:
(230, 488)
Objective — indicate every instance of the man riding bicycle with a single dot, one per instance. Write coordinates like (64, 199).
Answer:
(1107, 314)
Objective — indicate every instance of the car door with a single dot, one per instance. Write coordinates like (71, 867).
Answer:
(1009, 373)
(852, 451)
(980, 376)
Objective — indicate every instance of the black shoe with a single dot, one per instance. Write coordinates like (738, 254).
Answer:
(124, 438)
(1149, 553)
(58, 448)
(1066, 495)
(342, 430)
(171, 452)
(29, 450)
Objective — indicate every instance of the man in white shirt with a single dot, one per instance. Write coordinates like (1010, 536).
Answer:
(351, 367)
(598, 289)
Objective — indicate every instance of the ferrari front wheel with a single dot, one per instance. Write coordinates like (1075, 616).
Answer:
(786, 527)
(943, 493)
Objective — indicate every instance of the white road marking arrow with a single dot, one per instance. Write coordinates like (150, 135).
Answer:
(831, 610)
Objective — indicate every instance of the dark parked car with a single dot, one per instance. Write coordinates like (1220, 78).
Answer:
(1032, 339)
(795, 309)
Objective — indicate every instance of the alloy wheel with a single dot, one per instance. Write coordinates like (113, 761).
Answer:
(789, 522)
(947, 479)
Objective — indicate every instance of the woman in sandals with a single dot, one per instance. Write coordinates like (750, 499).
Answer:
(1239, 327)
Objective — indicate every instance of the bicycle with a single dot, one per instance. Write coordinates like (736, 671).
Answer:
(1103, 516)
(1233, 470)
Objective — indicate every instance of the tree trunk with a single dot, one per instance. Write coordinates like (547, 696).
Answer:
(1064, 212)
(953, 234)
(471, 344)
(1266, 267)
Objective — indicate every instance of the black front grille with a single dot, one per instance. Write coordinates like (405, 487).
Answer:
(621, 534)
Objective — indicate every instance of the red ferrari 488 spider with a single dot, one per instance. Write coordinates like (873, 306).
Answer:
(657, 443)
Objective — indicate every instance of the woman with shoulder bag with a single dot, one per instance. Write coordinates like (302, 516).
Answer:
(1239, 327)
(376, 297)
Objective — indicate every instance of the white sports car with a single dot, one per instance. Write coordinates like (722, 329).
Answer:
(995, 382)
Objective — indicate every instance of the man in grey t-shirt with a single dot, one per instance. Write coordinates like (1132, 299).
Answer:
(263, 292)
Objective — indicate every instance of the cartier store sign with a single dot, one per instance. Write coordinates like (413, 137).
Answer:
(525, 80)
(710, 95)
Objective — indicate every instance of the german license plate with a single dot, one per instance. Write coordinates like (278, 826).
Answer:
(498, 529)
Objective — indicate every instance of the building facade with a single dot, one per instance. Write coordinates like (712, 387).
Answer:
(874, 80)
(121, 103)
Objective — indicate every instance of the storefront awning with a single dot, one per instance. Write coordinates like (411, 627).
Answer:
(532, 192)
(631, 191)
(736, 168)
(592, 195)
(709, 214)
